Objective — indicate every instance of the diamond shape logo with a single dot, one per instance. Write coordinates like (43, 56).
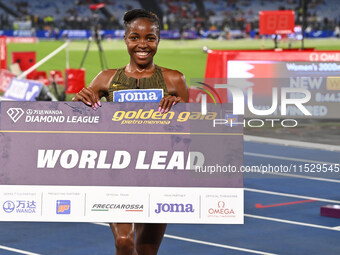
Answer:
(15, 113)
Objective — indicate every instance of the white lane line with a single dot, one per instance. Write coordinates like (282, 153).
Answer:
(216, 245)
(337, 228)
(304, 177)
(318, 146)
(288, 158)
(17, 250)
(291, 195)
(206, 243)
(290, 222)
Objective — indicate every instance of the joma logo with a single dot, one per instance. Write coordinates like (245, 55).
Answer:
(181, 208)
(138, 95)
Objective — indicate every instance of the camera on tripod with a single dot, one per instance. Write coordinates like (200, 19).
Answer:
(95, 33)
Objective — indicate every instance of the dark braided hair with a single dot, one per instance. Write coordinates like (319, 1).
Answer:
(141, 13)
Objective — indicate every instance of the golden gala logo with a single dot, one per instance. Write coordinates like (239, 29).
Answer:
(154, 117)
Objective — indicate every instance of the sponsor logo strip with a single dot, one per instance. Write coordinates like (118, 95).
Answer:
(166, 204)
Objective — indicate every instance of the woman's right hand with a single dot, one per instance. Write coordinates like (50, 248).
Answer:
(88, 97)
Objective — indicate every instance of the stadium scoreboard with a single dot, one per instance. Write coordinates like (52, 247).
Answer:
(276, 22)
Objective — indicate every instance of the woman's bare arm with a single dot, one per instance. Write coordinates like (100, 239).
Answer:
(97, 89)
(177, 88)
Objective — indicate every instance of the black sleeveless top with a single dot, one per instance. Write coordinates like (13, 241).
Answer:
(122, 82)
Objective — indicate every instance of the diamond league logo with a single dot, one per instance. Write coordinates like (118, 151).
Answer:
(15, 113)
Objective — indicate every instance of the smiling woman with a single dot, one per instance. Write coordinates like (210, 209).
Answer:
(142, 36)
(142, 79)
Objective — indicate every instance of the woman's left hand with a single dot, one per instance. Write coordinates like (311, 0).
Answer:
(167, 102)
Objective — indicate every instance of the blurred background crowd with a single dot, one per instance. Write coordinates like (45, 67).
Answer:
(181, 15)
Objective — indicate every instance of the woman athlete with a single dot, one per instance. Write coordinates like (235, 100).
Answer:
(142, 35)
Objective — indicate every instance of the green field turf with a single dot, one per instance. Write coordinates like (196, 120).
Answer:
(185, 56)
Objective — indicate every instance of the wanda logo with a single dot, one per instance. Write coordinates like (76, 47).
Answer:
(221, 210)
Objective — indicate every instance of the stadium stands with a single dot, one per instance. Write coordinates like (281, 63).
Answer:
(177, 14)
(118, 8)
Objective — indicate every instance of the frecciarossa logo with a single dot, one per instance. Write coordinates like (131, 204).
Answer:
(174, 208)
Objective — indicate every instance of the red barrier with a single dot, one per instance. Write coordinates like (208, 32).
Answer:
(38, 76)
(75, 80)
(5, 79)
(58, 76)
(25, 59)
(3, 52)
